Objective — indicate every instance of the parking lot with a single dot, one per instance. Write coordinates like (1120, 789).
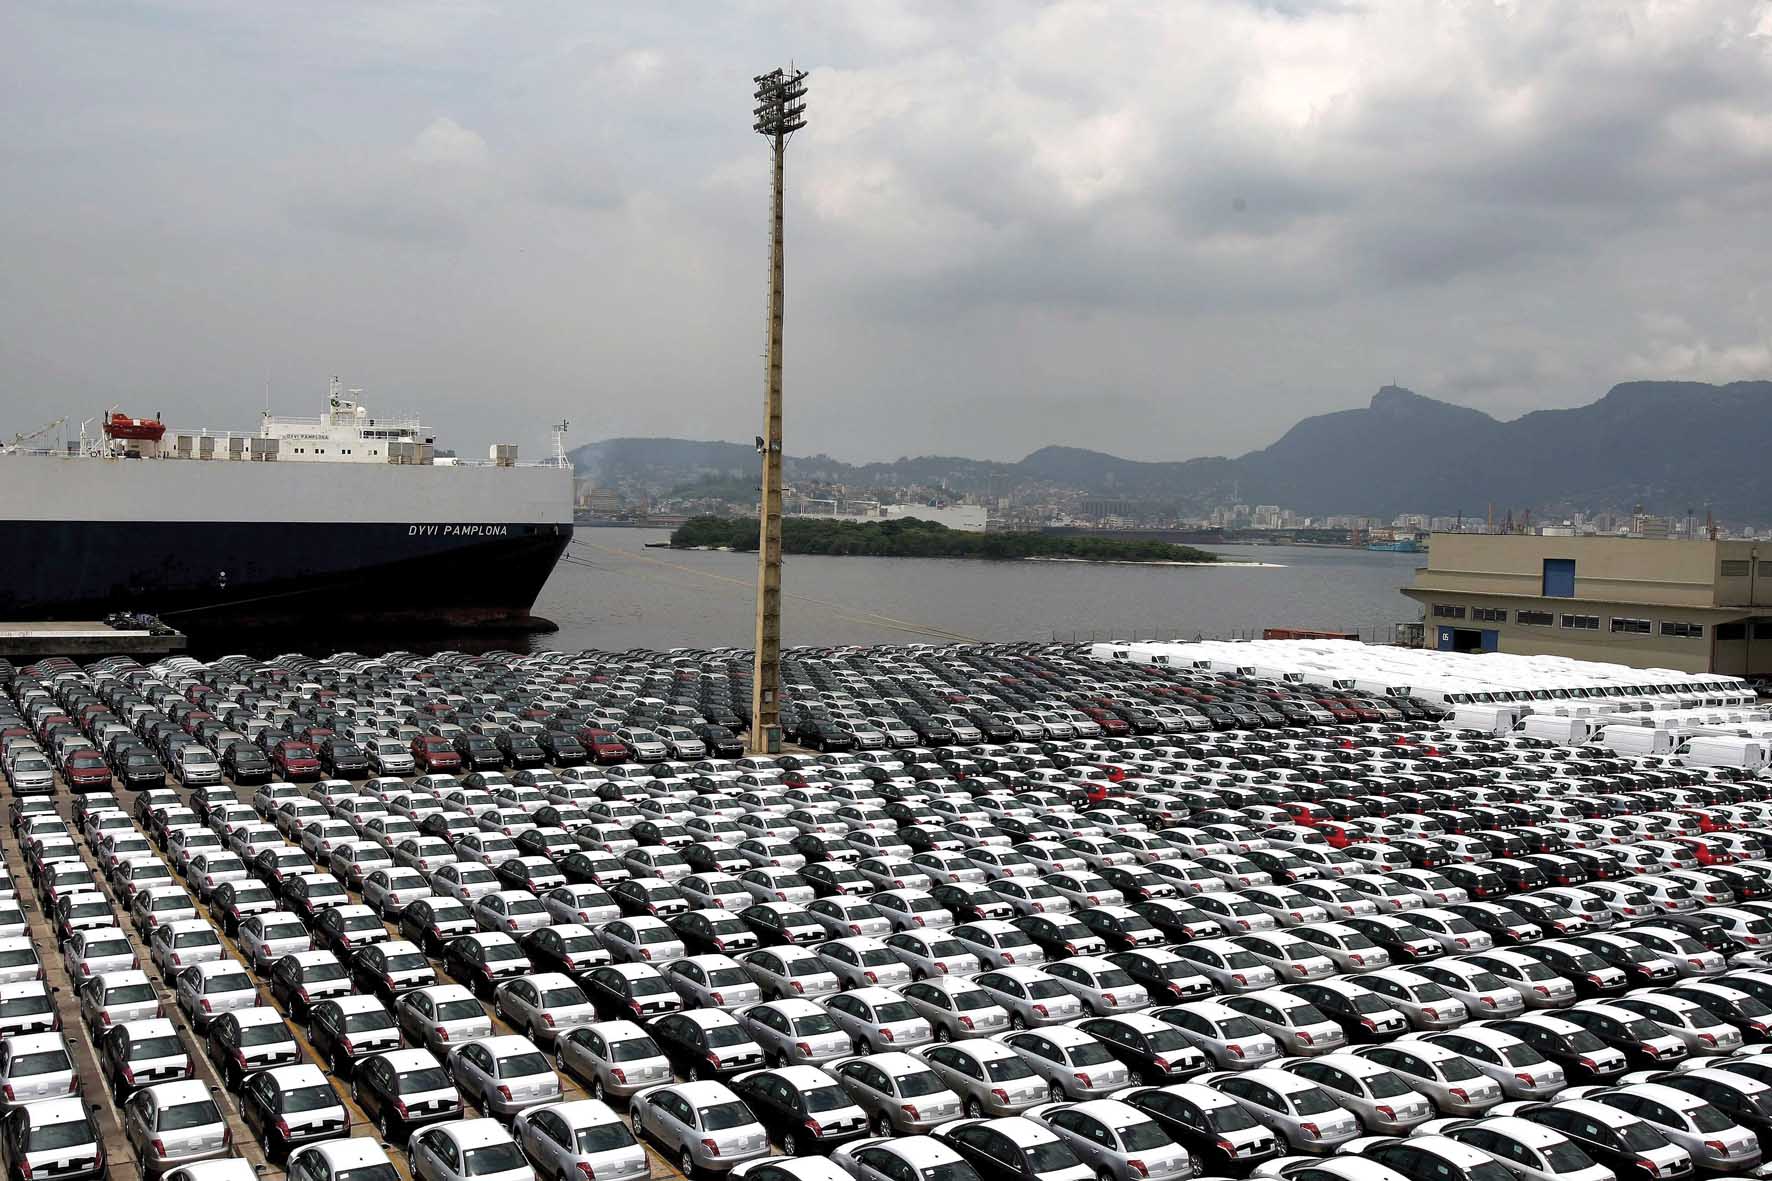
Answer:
(1003, 911)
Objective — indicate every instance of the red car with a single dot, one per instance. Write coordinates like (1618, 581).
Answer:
(295, 759)
(432, 754)
(604, 746)
(1306, 813)
(1707, 852)
(85, 770)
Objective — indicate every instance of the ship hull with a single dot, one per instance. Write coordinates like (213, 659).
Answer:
(223, 575)
(225, 545)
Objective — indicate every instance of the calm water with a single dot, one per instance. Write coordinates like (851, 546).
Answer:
(612, 592)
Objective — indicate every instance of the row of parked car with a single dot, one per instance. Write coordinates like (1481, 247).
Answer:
(1175, 952)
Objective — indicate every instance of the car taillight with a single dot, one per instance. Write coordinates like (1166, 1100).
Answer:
(1311, 1130)
(505, 1092)
(1649, 1166)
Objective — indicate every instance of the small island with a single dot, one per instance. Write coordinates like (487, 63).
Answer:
(910, 537)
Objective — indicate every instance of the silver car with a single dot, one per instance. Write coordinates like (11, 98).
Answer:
(1445, 1076)
(794, 1032)
(35, 1066)
(503, 1074)
(1230, 966)
(1539, 986)
(614, 1058)
(1704, 1033)
(701, 1125)
(1713, 1140)
(1297, 1026)
(580, 1137)
(459, 1149)
(1031, 996)
(712, 981)
(1292, 959)
(1116, 1140)
(171, 1124)
(268, 937)
(956, 1008)
(1484, 994)
(900, 1093)
(879, 1019)
(543, 1005)
(931, 953)
(1228, 1038)
(1102, 985)
(861, 961)
(1075, 1064)
(991, 1078)
(1302, 1114)
(1530, 1151)
(440, 1017)
(1424, 1003)
(1384, 1100)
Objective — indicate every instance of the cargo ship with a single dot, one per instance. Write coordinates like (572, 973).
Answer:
(346, 519)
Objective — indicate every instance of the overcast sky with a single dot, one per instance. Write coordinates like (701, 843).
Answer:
(1159, 229)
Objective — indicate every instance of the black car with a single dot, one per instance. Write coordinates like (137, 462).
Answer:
(140, 769)
(1749, 1014)
(798, 1116)
(341, 758)
(1121, 928)
(234, 901)
(818, 734)
(1179, 921)
(1592, 976)
(265, 1107)
(1508, 928)
(970, 902)
(592, 867)
(1138, 884)
(1574, 1051)
(571, 950)
(705, 857)
(478, 752)
(621, 991)
(721, 742)
(1480, 882)
(244, 763)
(711, 932)
(432, 922)
(697, 1050)
(1364, 1016)
(562, 749)
(784, 925)
(309, 894)
(373, 967)
(519, 750)
(483, 966)
(830, 877)
(1630, 1035)
(1404, 941)
(381, 1088)
(1552, 918)
(996, 1155)
(816, 847)
(1155, 1051)
(1617, 1142)
(342, 1039)
(1643, 966)
(1165, 977)
(649, 896)
(117, 1049)
(1060, 935)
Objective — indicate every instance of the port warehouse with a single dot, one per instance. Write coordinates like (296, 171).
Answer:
(1695, 606)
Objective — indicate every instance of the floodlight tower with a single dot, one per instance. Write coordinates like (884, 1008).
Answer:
(780, 111)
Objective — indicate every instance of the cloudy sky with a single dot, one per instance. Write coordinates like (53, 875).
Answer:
(1160, 229)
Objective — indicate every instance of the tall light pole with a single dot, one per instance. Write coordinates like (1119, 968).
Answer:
(780, 111)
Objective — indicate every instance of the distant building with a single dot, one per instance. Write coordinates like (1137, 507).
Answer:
(1697, 606)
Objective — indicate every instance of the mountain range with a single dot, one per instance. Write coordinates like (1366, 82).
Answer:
(1669, 446)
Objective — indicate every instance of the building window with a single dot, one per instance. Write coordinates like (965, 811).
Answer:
(1634, 627)
(1535, 618)
(1731, 631)
(1490, 614)
(1765, 567)
(1735, 568)
(1589, 623)
(1684, 631)
(1559, 578)
(1442, 611)
(1763, 631)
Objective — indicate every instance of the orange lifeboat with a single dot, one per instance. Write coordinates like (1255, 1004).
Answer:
(121, 426)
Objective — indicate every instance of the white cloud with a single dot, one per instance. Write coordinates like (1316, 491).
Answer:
(446, 143)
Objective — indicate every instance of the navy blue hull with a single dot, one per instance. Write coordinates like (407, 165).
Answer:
(216, 575)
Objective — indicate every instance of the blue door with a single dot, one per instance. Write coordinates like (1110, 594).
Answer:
(1445, 639)
(1559, 578)
(1491, 640)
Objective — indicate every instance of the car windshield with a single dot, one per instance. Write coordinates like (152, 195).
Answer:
(1707, 1118)
(605, 1137)
(1089, 1054)
(1045, 990)
(47, 1062)
(1564, 1157)
(1521, 1055)
(522, 1065)
(826, 1098)
(167, 1046)
(1002, 1070)
(188, 1115)
(309, 1098)
(633, 1050)
(1143, 1137)
(67, 1134)
(968, 999)
(228, 982)
(460, 1009)
(322, 972)
(365, 1022)
(493, 1158)
(726, 1115)
(1456, 1070)
(725, 1035)
(813, 1023)
(957, 1170)
(264, 1035)
(24, 1006)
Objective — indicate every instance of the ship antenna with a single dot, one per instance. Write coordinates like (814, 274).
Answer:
(560, 429)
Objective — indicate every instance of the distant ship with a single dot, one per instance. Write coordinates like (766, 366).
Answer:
(344, 519)
(1401, 545)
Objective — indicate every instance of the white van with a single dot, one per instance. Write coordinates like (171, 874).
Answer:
(1489, 719)
(1723, 750)
(1635, 741)
(1560, 730)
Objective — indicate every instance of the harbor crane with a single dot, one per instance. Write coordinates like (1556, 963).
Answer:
(20, 439)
